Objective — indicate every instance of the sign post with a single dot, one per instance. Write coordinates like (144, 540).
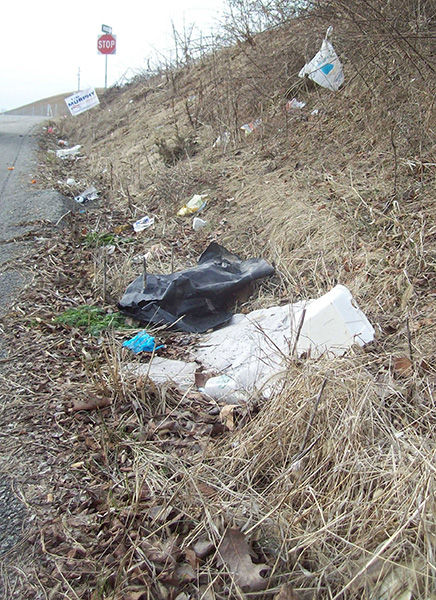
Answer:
(106, 44)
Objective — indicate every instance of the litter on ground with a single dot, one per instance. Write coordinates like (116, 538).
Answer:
(68, 152)
(250, 127)
(89, 194)
(165, 370)
(253, 349)
(325, 68)
(250, 354)
(143, 223)
(198, 298)
(141, 342)
(198, 223)
(294, 104)
(195, 205)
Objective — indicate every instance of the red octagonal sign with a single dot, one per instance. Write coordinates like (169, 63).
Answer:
(107, 44)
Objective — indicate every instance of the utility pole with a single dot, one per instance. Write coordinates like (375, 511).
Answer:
(78, 80)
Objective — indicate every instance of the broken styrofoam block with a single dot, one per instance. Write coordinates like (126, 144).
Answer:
(252, 349)
(165, 370)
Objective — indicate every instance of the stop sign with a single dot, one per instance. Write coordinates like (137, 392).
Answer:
(107, 44)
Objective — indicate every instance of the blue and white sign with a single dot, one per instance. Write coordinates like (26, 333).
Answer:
(83, 100)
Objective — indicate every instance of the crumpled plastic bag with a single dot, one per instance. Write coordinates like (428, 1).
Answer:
(325, 68)
(196, 299)
(141, 342)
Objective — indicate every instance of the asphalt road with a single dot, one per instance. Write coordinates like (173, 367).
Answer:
(22, 207)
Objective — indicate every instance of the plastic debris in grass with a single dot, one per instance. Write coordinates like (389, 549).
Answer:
(198, 223)
(142, 342)
(252, 126)
(251, 353)
(294, 104)
(198, 298)
(195, 205)
(89, 194)
(92, 319)
(325, 68)
(143, 223)
(222, 140)
(253, 349)
(68, 152)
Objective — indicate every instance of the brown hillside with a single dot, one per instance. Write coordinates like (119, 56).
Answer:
(331, 480)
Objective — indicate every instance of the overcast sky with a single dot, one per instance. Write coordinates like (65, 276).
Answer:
(43, 43)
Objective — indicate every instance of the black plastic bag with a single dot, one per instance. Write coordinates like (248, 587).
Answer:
(197, 299)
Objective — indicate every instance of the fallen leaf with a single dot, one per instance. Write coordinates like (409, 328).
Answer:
(234, 554)
(191, 557)
(91, 403)
(207, 490)
(403, 366)
(407, 295)
(161, 552)
(185, 574)
(203, 547)
(286, 592)
(226, 416)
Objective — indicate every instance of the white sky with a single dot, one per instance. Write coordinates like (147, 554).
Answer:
(44, 42)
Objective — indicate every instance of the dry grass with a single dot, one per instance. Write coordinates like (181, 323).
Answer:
(331, 479)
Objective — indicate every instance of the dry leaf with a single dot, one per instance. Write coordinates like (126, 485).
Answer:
(226, 416)
(185, 574)
(286, 593)
(203, 547)
(191, 557)
(407, 295)
(403, 366)
(207, 490)
(234, 553)
(91, 403)
(160, 552)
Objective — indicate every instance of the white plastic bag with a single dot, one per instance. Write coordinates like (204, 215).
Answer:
(325, 68)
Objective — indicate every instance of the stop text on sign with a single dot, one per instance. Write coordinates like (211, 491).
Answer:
(107, 44)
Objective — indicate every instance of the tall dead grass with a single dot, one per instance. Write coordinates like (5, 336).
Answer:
(333, 477)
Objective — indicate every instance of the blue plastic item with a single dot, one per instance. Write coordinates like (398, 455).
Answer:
(141, 342)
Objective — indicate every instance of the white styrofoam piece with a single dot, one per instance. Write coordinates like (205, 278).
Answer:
(252, 350)
(163, 370)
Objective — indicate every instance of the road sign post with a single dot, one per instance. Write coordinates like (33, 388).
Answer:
(106, 44)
